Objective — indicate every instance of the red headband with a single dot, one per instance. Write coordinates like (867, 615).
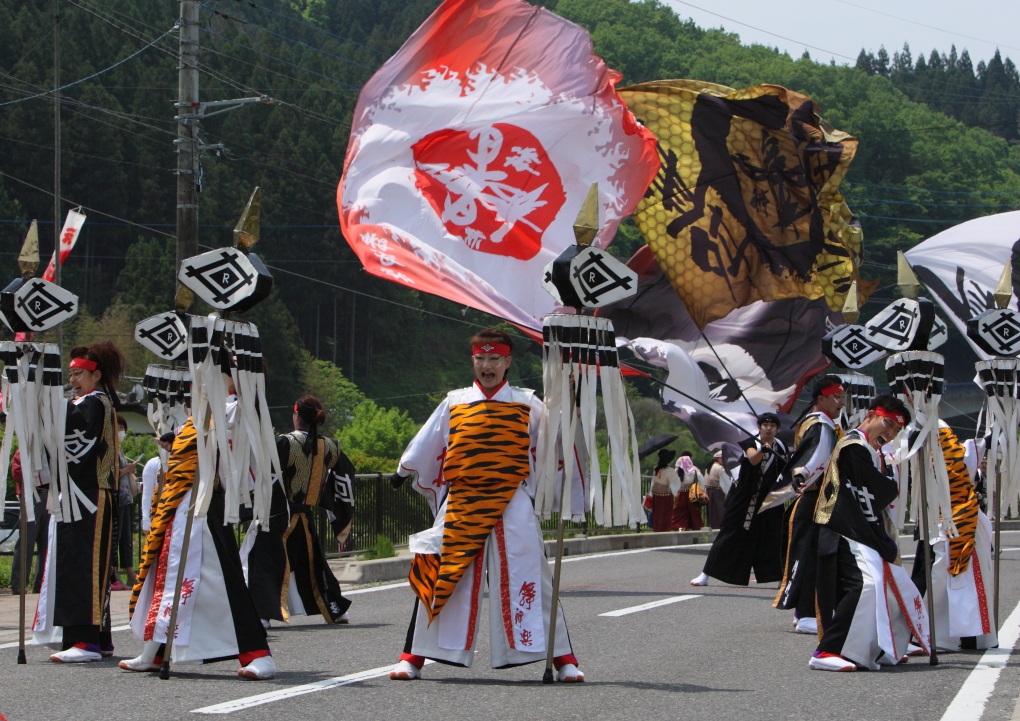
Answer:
(898, 417)
(295, 407)
(829, 390)
(85, 363)
(497, 348)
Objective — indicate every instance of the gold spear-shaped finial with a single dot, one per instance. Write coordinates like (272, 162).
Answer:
(246, 232)
(851, 306)
(909, 285)
(1004, 290)
(28, 258)
(586, 227)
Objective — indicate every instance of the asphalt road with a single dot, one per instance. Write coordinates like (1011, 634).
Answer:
(652, 647)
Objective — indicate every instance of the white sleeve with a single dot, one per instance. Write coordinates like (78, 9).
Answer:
(150, 477)
(424, 455)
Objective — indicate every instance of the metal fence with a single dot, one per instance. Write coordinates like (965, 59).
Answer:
(379, 510)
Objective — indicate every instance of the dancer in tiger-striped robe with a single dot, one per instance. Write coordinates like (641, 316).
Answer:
(474, 462)
(216, 618)
(962, 574)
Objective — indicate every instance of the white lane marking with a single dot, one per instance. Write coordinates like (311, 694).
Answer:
(285, 693)
(652, 604)
(373, 589)
(610, 554)
(970, 701)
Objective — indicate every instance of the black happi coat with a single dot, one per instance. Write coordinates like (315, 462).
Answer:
(291, 546)
(853, 495)
(749, 540)
(83, 547)
(800, 550)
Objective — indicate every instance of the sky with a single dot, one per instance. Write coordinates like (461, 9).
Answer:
(839, 29)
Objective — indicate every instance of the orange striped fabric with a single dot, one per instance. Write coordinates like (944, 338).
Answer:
(182, 470)
(964, 500)
(487, 458)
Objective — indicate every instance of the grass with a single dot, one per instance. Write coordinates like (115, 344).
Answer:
(382, 547)
(5, 571)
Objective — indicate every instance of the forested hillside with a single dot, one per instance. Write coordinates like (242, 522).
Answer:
(930, 156)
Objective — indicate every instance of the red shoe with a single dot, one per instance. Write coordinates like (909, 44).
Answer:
(117, 585)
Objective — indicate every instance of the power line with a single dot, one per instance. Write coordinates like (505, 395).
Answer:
(89, 208)
(761, 30)
(93, 75)
(953, 33)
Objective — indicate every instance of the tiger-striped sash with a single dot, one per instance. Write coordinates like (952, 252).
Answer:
(964, 501)
(487, 458)
(180, 476)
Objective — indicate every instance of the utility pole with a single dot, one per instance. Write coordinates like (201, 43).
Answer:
(56, 144)
(188, 179)
(189, 116)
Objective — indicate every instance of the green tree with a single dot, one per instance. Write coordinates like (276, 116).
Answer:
(377, 431)
(326, 382)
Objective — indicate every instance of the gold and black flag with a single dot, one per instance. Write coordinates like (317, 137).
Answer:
(746, 205)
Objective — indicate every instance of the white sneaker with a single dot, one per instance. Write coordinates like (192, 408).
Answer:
(139, 663)
(831, 663)
(569, 673)
(267, 624)
(260, 669)
(806, 625)
(75, 655)
(405, 671)
(700, 580)
(344, 619)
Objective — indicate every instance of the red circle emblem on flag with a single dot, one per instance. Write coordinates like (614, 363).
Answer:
(495, 187)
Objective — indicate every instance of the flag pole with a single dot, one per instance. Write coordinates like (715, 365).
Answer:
(691, 398)
(23, 544)
(550, 652)
(32, 380)
(933, 659)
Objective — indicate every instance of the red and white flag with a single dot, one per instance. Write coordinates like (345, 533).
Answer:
(473, 148)
(68, 237)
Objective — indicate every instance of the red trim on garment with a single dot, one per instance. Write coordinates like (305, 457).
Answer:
(476, 586)
(159, 586)
(488, 395)
(504, 585)
(979, 588)
(889, 583)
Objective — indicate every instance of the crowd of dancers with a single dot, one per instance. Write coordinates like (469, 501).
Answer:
(834, 550)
